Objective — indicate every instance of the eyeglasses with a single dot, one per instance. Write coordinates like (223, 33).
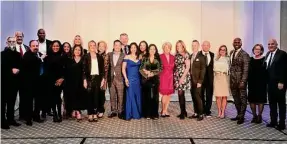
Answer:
(11, 41)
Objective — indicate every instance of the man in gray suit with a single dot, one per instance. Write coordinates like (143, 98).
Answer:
(238, 78)
(115, 80)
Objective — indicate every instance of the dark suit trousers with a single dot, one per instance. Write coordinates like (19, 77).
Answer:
(117, 96)
(196, 99)
(31, 103)
(206, 94)
(93, 94)
(276, 97)
(102, 100)
(8, 99)
(240, 100)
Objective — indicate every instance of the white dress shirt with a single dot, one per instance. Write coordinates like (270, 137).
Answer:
(43, 47)
(22, 46)
(235, 53)
(94, 67)
(269, 56)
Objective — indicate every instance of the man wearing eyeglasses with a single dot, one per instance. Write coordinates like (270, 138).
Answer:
(10, 67)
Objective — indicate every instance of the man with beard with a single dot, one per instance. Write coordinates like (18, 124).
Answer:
(238, 78)
(32, 69)
(10, 67)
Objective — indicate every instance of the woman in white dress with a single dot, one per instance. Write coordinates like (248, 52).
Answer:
(221, 80)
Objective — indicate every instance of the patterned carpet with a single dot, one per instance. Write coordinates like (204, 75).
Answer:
(163, 131)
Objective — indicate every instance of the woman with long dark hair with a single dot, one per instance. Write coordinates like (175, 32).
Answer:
(93, 75)
(130, 70)
(150, 69)
(143, 48)
(74, 94)
(54, 65)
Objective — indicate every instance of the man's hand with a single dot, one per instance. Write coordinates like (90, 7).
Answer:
(280, 86)
(15, 70)
(198, 85)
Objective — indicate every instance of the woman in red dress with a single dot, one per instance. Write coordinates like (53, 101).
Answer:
(166, 77)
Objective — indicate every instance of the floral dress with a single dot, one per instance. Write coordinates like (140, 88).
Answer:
(179, 70)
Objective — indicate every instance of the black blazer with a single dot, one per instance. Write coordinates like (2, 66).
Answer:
(209, 68)
(87, 66)
(9, 59)
(27, 48)
(277, 72)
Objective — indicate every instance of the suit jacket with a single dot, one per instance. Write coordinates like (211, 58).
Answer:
(239, 68)
(115, 68)
(198, 69)
(27, 48)
(87, 66)
(277, 72)
(48, 46)
(209, 68)
(30, 70)
(9, 59)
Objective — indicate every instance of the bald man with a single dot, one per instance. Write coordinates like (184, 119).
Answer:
(238, 79)
(207, 85)
(276, 81)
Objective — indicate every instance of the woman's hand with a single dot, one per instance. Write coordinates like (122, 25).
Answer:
(102, 83)
(59, 82)
(85, 84)
(127, 82)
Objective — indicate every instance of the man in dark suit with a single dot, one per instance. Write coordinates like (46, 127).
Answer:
(45, 49)
(10, 67)
(115, 80)
(276, 78)
(238, 79)
(207, 85)
(32, 69)
(22, 49)
(124, 38)
(197, 71)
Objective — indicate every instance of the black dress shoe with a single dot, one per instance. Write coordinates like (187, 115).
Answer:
(271, 125)
(44, 116)
(281, 127)
(194, 116)
(240, 121)
(5, 126)
(29, 123)
(50, 113)
(234, 119)
(38, 120)
(167, 115)
(200, 118)
(14, 123)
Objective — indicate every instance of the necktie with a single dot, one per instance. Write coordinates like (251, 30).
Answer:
(233, 55)
(127, 49)
(206, 59)
(270, 60)
(21, 51)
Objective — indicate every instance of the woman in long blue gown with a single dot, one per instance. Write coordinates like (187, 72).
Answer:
(132, 77)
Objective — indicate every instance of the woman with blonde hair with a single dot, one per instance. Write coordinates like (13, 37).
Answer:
(93, 75)
(181, 75)
(78, 41)
(166, 77)
(221, 79)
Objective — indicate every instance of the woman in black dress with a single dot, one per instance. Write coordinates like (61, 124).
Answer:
(93, 75)
(54, 64)
(150, 69)
(74, 89)
(67, 55)
(257, 83)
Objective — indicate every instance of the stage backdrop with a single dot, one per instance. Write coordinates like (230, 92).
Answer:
(155, 22)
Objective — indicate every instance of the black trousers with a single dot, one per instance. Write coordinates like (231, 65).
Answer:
(31, 102)
(276, 99)
(196, 99)
(102, 100)
(150, 98)
(8, 99)
(94, 89)
(206, 94)
(56, 101)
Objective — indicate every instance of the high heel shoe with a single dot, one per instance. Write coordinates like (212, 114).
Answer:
(90, 119)
(74, 114)
(95, 118)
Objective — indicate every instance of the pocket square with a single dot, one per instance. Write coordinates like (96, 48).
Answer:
(197, 60)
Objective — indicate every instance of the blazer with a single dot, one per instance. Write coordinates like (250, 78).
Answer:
(239, 68)
(87, 66)
(209, 68)
(198, 69)
(115, 68)
(9, 59)
(277, 72)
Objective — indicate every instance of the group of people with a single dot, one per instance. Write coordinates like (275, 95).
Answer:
(135, 75)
